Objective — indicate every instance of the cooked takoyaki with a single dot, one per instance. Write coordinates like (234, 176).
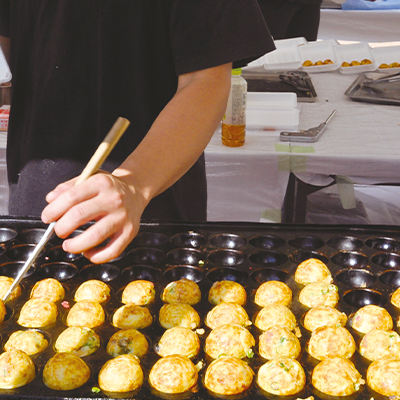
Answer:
(48, 289)
(139, 292)
(276, 342)
(227, 313)
(127, 341)
(182, 291)
(30, 342)
(273, 292)
(37, 313)
(17, 369)
(93, 290)
(372, 317)
(377, 344)
(383, 376)
(318, 294)
(180, 341)
(77, 340)
(132, 316)
(312, 270)
(178, 314)
(228, 292)
(324, 316)
(87, 314)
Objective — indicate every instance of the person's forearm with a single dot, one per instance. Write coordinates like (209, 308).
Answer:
(179, 134)
(5, 46)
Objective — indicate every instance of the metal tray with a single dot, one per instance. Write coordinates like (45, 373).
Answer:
(382, 93)
(248, 253)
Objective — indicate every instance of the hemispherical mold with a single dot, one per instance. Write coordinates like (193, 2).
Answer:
(363, 297)
(350, 259)
(227, 257)
(57, 253)
(306, 243)
(141, 272)
(103, 272)
(184, 272)
(186, 256)
(387, 260)
(62, 271)
(299, 256)
(227, 241)
(32, 236)
(227, 274)
(357, 278)
(346, 243)
(262, 275)
(391, 278)
(12, 268)
(267, 242)
(7, 235)
(383, 244)
(145, 255)
(188, 239)
(149, 239)
(21, 252)
(268, 258)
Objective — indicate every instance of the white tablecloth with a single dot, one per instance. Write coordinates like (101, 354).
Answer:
(362, 142)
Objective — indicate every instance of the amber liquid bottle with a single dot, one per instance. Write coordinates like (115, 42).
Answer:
(234, 121)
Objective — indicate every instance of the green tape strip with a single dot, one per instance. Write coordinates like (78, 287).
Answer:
(271, 214)
(346, 192)
(298, 164)
(292, 162)
(303, 149)
(284, 162)
(283, 148)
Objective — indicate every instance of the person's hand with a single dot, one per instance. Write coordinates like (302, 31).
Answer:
(104, 198)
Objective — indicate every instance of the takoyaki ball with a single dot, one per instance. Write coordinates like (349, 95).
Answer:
(139, 292)
(48, 289)
(3, 311)
(395, 298)
(228, 292)
(182, 291)
(5, 284)
(182, 315)
(377, 344)
(127, 341)
(312, 270)
(121, 374)
(324, 316)
(275, 315)
(318, 294)
(331, 341)
(30, 342)
(336, 377)
(93, 290)
(277, 342)
(65, 371)
(227, 313)
(173, 374)
(372, 317)
(17, 369)
(132, 316)
(228, 375)
(281, 376)
(383, 376)
(273, 292)
(230, 339)
(77, 340)
(89, 314)
(37, 313)
(180, 341)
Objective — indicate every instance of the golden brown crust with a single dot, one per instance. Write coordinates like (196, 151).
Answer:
(87, 314)
(318, 294)
(180, 341)
(227, 313)
(273, 292)
(395, 298)
(93, 290)
(5, 284)
(182, 315)
(139, 292)
(173, 374)
(231, 340)
(121, 374)
(277, 342)
(127, 341)
(77, 340)
(383, 376)
(275, 315)
(17, 369)
(377, 344)
(372, 317)
(331, 341)
(228, 375)
(65, 371)
(30, 342)
(3, 311)
(312, 270)
(182, 291)
(336, 377)
(228, 292)
(131, 316)
(281, 376)
(37, 313)
(48, 289)
(324, 316)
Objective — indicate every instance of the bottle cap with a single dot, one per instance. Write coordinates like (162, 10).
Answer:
(237, 71)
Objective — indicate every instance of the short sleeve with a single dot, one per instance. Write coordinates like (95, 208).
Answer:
(5, 18)
(207, 33)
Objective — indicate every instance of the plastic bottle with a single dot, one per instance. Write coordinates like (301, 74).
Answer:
(234, 121)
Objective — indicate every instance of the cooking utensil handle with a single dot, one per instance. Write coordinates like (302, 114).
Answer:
(92, 166)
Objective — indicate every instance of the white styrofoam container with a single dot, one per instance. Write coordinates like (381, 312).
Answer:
(319, 51)
(271, 100)
(355, 52)
(284, 43)
(5, 74)
(387, 55)
(261, 119)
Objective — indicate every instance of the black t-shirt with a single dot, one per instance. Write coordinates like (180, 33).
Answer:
(78, 65)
